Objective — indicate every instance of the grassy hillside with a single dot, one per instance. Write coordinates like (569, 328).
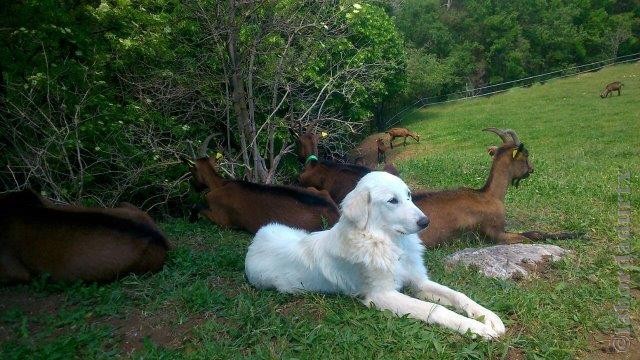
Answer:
(200, 306)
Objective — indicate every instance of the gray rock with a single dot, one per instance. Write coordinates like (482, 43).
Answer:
(517, 261)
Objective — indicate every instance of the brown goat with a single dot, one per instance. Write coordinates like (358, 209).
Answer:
(250, 206)
(337, 179)
(307, 144)
(382, 149)
(611, 87)
(455, 211)
(75, 243)
(401, 132)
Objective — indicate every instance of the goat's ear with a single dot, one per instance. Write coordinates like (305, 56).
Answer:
(355, 207)
(517, 150)
(492, 150)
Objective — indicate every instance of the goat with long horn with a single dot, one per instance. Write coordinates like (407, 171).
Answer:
(456, 211)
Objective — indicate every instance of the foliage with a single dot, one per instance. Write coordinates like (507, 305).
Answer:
(100, 98)
(477, 42)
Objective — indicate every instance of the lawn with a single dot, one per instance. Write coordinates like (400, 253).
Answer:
(200, 306)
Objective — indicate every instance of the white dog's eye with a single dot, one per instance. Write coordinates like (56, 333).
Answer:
(393, 201)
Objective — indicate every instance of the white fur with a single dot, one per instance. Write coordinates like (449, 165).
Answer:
(372, 252)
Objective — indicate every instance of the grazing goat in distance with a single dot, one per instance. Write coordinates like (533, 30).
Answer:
(455, 211)
(250, 206)
(75, 243)
(401, 132)
(611, 87)
(337, 179)
(382, 149)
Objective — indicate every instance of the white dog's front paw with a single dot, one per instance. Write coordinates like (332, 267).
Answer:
(487, 317)
(493, 321)
(479, 329)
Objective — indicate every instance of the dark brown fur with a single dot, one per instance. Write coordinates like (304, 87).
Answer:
(611, 87)
(403, 133)
(250, 206)
(382, 149)
(75, 243)
(337, 179)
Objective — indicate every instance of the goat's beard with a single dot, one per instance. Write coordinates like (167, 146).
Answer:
(516, 181)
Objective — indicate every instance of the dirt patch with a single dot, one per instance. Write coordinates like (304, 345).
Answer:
(301, 307)
(366, 153)
(229, 287)
(164, 328)
(613, 347)
(515, 354)
(29, 304)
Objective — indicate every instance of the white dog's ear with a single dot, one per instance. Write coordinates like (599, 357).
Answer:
(355, 207)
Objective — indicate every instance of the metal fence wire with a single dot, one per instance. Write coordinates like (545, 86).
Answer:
(491, 89)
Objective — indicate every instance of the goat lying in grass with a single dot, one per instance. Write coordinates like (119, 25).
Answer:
(403, 133)
(337, 179)
(249, 206)
(75, 243)
(371, 253)
(611, 87)
(454, 211)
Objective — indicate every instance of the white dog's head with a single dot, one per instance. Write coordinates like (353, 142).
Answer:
(382, 202)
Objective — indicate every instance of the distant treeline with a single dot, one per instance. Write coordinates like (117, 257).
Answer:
(457, 45)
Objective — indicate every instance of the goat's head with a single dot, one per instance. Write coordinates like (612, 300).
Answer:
(307, 142)
(200, 166)
(196, 168)
(512, 153)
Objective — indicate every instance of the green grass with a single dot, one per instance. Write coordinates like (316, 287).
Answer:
(200, 306)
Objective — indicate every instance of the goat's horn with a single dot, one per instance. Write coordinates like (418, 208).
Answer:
(193, 153)
(504, 135)
(205, 145)
(514, 137)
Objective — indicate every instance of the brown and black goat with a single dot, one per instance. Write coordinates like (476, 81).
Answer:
(382, 150)
(75, 243)
(611, 87)
(452, 212)
(338, 179)
(403, 133)
(250, 206)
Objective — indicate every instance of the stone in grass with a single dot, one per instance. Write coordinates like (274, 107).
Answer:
(517, 261)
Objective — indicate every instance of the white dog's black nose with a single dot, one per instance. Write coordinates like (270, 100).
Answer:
(423, 222)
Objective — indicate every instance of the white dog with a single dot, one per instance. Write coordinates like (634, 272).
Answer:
(372, 252)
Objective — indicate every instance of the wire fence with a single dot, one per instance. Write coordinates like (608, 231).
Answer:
(492, 89)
